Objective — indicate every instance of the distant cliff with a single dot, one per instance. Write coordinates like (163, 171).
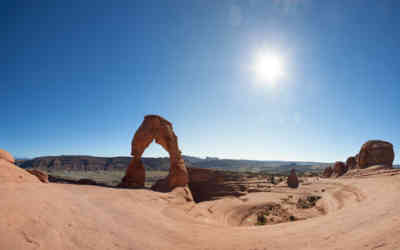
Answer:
(90, 163)
(93, 163)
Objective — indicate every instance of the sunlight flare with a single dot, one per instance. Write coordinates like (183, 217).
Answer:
(268, 67)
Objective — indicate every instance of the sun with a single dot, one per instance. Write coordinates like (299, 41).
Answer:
(268, 68)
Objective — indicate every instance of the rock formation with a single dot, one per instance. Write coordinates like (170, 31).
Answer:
(339, 168)
(327, 172)
(357, 165)
(211, 184)
(6, 156)
(292, 180)
(156, 128)
(376, 152)
(351, 162)
(42, 176)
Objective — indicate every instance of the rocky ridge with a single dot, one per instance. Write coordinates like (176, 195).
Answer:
(374, 153)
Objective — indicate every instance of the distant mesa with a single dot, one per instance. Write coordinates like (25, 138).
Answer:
(211, 158)
(120, 163)
(156, 128)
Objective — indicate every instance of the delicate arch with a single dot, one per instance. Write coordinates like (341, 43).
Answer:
(156, 128)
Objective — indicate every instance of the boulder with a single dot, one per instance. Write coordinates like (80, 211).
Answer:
(376, 152)
(339, 168)
(6, 156)
(351, 162)
(42, 176)
(292, 180)
(156, 128)
(327, 172)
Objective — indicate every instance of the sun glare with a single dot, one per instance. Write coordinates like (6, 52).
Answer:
(268, 68)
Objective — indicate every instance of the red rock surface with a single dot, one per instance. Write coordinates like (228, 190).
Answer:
(211, 184)
(42, 176)
(135, 174)
(327, 172)
(6, 156)
(292, 180)
(339, 169)
(358, 213)
(376, 152)
(351, 162)
(10, 173)
(156, 128)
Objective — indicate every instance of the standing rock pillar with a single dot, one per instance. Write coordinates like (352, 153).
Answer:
(292, 180)
(135, 175)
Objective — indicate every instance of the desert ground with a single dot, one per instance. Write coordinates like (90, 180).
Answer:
(355, 212)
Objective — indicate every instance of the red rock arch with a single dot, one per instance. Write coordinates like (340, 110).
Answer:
(156, 128)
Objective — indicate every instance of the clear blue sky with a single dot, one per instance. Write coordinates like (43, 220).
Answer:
(77, 77)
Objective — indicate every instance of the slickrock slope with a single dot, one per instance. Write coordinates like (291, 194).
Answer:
(361, 213)
(6, 156)
(10, 173)
(358, 211)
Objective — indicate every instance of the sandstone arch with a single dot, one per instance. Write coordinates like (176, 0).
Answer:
(156, 128)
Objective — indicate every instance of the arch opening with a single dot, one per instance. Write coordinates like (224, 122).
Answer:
(156, 163)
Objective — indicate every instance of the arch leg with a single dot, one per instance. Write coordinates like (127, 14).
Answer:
(135, 174)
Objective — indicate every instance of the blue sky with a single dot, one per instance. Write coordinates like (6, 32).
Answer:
(77, 77)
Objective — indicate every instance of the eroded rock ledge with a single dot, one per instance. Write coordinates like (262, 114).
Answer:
(210, 184)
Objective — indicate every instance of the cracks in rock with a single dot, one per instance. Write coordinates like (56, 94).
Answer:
(28, 239)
